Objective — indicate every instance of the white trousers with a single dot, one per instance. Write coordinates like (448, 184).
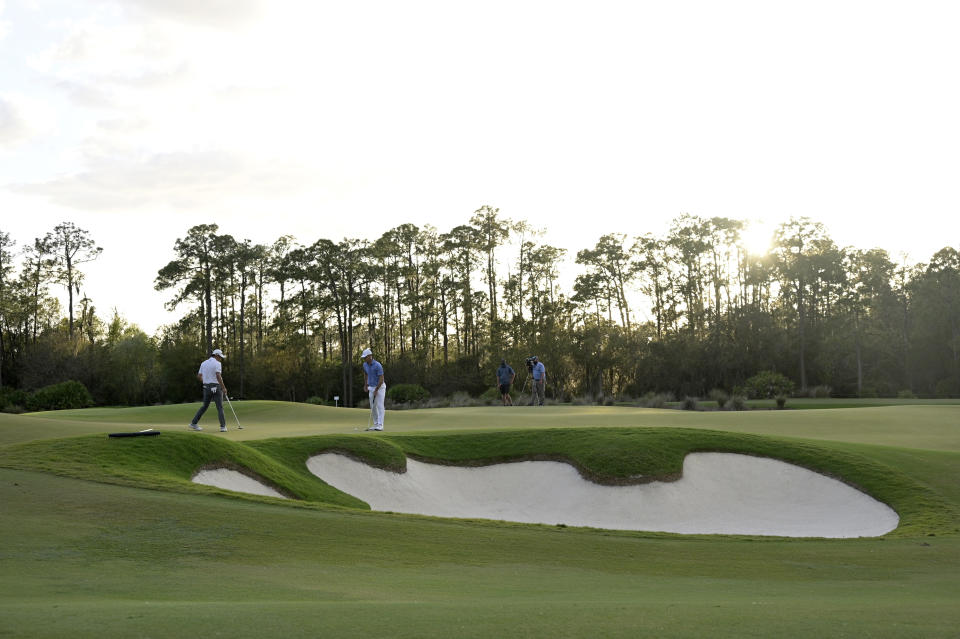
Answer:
(376, 403)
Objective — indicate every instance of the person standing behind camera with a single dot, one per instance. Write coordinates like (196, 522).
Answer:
(539, 373)
(505, 376)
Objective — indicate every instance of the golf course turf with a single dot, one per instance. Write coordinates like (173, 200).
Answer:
(110, 537)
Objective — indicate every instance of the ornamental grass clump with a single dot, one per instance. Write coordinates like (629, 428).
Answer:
(720, 397)
(655, 400)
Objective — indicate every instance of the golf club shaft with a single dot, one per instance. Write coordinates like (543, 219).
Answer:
(230, 404)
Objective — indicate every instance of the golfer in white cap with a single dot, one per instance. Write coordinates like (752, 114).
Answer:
(213, 388)
(375, 386)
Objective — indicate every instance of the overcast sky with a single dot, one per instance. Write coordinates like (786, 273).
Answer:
(138, 119)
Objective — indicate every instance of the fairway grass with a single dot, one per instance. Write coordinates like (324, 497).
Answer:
(85, 559)
(108, 537)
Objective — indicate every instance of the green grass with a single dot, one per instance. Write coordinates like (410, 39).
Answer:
(816, 403)
(930, 426)
(108, 537)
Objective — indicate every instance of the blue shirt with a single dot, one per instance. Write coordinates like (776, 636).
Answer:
(539, 371)
(374, 371)
(505, 374)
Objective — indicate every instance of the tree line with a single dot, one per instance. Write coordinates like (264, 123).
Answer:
(687, 312)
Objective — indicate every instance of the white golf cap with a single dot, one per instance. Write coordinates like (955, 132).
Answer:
(366, 352)
(217, 351)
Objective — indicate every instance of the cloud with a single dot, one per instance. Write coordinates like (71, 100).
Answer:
(13, 127)
(188, 180)
(209, 13)
(86, 94)
(5, 25)
(121, 125)
(110, 91)
(21, 119)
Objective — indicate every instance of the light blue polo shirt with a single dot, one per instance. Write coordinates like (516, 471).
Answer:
(373, 370)
(539, 370)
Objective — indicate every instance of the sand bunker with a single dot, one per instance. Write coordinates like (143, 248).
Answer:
(233, 480)
(719, 493)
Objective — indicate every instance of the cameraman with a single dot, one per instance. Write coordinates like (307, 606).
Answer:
(539, 373)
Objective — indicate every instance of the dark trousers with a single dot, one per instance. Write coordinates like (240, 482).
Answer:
(211, 392)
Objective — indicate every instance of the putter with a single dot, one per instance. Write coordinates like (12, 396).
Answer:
(230, 404)
(369, 422)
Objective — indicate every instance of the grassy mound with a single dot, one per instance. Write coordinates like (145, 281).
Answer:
(166, 462)
(603, 455)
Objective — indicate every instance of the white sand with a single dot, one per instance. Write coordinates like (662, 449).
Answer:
(236, 481)
(719, 493)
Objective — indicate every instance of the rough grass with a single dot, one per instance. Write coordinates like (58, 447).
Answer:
(84, 559)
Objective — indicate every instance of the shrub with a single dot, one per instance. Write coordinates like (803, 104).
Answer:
(582, 400)
(768, 384)
(820, 391)
(738, 402)
(689, 403)
(906, 394)
(781, 402)
(948, 387)
(69, 394)
(720, 397)
(13, 400)
(405, 393)
(884, 388)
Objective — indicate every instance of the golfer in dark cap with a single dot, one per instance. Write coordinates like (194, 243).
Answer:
(505, 376)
